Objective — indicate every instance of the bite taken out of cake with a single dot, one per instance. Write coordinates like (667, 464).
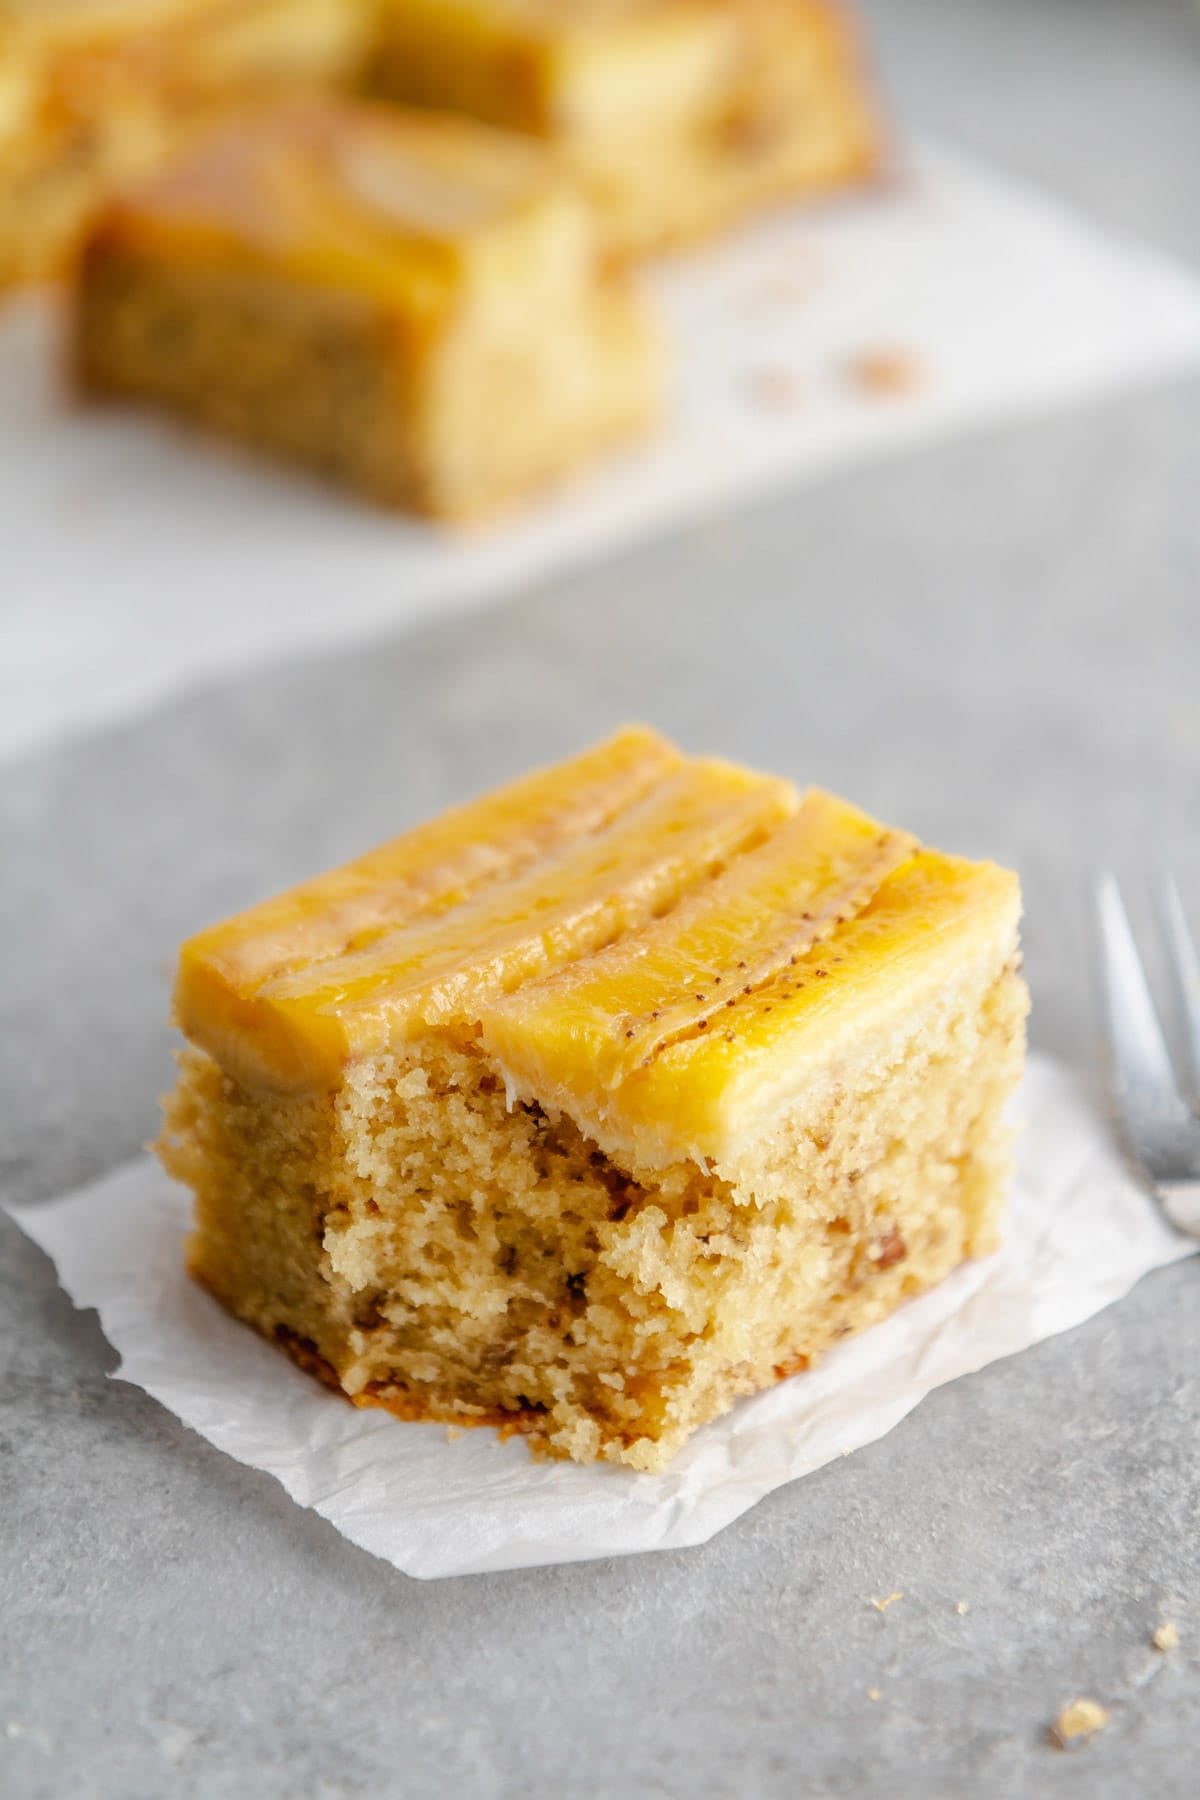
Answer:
(597, 1103)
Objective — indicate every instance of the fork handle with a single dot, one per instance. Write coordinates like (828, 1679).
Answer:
(1181, 1203)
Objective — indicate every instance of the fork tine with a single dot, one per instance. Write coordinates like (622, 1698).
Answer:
(1146, 1083)
(1185, 959)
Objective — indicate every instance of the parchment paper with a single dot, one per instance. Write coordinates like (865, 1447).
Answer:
(1081, 1233)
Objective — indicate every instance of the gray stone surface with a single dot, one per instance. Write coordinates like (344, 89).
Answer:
(998, 642)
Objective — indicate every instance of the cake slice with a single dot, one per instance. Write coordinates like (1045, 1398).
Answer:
(602, 1101)
(412, 302)
(93, 92)
(679, 115)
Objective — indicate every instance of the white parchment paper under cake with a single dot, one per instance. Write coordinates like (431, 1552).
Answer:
(139, 560)
(1081, 1233)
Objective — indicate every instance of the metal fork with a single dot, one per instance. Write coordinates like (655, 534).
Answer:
(1161, 1127)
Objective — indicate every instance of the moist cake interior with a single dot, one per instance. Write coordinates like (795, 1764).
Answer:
(452, 1258)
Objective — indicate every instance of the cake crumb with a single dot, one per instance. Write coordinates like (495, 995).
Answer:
(774, 390)
(882, 1605)
(781, 293)
(886, 371)
(874, 1694)
(1077, 1723)
(1166, 1637)
(962, 1607)
(453, 1433)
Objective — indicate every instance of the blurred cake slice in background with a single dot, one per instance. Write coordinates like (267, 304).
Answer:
(409, 301)
(681, 115)
(92, 91)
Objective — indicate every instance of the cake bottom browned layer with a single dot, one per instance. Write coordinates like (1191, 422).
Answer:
(435, 1252)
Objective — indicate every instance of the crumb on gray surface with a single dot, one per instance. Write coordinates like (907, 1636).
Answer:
(1078, 1723)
